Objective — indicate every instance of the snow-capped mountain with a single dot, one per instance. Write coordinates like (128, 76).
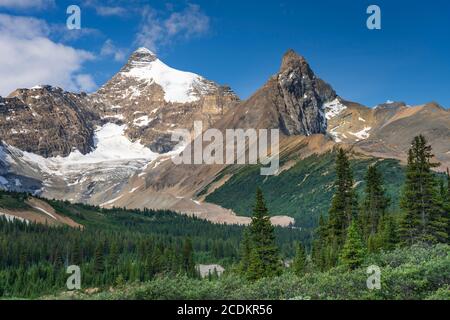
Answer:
(113, 147)
(85, 147)
(153, 99)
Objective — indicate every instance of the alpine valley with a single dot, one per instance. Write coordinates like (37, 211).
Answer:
(88, 187)
(113, 148)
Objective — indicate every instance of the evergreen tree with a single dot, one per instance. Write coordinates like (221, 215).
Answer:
(299, 263)
(424, 213)
(245, 251)
(76, 254)
(113, 254)
(387, 232)
(344, 205)
(318, 253)
(188, 263)
(353, 252)
(374, 204)
(264, 256)
(99, 261)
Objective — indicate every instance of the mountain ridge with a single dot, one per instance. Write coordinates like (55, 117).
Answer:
(131, 112)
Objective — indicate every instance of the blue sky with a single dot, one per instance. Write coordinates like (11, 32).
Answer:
(239, 43)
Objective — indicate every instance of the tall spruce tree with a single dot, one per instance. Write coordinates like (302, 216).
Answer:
(353, 252)
(424, 215)
(375, 202)
(344, 205)
(264, 256)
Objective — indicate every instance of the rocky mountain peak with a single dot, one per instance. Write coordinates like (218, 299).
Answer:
(304, 96)
(139, 58)
(292, 60)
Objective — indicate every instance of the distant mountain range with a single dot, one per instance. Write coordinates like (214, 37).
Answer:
(113, 147)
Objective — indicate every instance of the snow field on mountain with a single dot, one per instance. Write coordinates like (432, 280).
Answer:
(178, 85)
(110, 144)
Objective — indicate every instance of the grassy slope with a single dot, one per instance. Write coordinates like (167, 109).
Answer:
(304, 191)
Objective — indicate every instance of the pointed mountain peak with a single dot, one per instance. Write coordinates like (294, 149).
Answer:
(142, 56)
(144, 50)
(292, 59)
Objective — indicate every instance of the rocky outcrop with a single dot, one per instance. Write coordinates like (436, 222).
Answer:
(303, 97)
(47, 121)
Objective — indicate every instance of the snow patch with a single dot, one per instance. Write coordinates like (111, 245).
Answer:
(116, 116)
(363, 134)
(111, 201)
(11, 218)
(44, 211)
(142, 121)
(134, 189)
(333, 108)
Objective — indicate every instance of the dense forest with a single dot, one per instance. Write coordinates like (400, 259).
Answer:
(115, 246)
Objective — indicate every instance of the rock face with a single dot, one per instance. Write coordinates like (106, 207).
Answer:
(292, 100)
(304, 95)
(47, 121)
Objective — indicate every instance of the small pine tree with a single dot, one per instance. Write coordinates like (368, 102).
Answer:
(318, 252)
(353, 252)
(387, 232)
(375, 202)
(299, 263)
(264, 256)
(245, 252)
(113, 254)
(99, 261)
(188, 263)
(344, 205)
(76, 254)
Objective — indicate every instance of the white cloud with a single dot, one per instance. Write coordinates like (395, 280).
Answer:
(189, 22)
(155, 31)
(105, 10)
(23, 27)
(26, 4)
(110, 49)
(85, 82)
(28, 57)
